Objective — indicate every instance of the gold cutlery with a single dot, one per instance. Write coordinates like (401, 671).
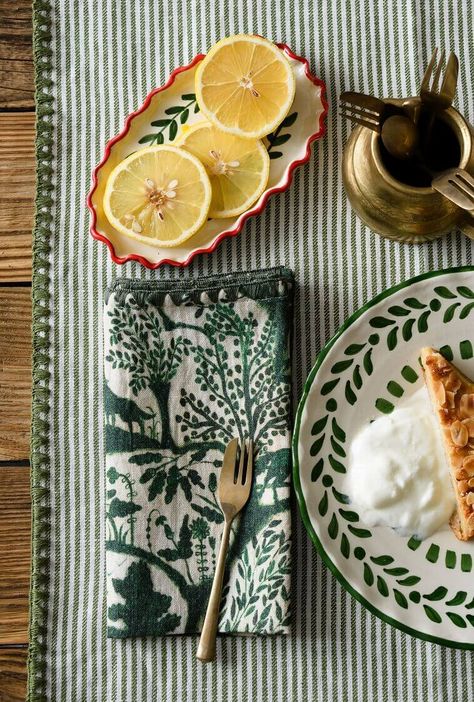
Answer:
(436, 97)
(458, 186)
(397, 131)
(365, 110)
(439, 97)
(234, 489)
(400, 137)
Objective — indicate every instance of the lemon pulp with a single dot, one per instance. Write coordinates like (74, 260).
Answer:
(237, 168)
(159, 195)
(245, 85)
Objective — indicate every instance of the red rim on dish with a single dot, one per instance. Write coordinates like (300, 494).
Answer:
(320, 131)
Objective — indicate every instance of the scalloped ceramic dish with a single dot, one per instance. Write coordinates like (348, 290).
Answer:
(425, 588)
(169, 109)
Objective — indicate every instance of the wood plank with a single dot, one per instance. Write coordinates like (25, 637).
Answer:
(13, 674)
(17, 190)
(15, 551)
(17, 166)
(16, 56)
(15, 373)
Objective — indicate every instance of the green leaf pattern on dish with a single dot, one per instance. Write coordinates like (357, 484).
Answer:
(354, 369)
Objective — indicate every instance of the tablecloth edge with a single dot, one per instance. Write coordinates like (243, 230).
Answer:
(39, 452)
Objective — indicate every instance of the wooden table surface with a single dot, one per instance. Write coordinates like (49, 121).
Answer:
(17, 177)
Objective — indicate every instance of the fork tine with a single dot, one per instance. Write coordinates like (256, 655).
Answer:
(361, 112)
(467, 179)
(240, 470)
(229, 461)
(448, 87)
(437, 75)
(425, 83)
(464, 186)
(366, 102)
(457, 186)
(365, 123)
(249, 471)
(458, 195)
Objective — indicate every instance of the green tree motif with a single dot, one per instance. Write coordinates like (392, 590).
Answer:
(144, 612)
(261, 581)
(210, 509)
(153, 429)
(168, 473)
(182, 549)
(235, 381)
(117, 508)
(244, 390)
(149, 360)
(195, 595)
(256, 517)
(245, 403)
(200, 531)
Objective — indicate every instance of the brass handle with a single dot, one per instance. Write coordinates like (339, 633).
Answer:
(207, 643)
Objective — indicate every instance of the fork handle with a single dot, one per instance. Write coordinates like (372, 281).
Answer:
(207, 643)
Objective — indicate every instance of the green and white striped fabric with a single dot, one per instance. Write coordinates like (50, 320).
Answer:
(95, 61)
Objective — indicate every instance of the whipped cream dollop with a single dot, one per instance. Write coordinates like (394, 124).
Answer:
(397, 474)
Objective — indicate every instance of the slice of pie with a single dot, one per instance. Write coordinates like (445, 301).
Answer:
(452, 396)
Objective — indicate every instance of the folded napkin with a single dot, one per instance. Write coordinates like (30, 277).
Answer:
(189, 365)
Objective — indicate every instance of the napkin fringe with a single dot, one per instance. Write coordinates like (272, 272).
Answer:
(40, 427)
(257, 285)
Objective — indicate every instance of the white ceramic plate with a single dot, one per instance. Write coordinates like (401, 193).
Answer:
(164, 113)
(425, 588)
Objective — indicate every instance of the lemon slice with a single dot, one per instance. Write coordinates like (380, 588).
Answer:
(159, 195)
(237, 168)
(245, 85)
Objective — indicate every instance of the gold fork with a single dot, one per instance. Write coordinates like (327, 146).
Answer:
(436, 97)
(234, 489)
(439, 97)
(363, 109)
(458, 186)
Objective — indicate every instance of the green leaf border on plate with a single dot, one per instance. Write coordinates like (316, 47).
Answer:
(412, 312)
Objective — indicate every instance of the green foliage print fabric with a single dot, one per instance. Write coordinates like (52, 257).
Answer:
(188, 366)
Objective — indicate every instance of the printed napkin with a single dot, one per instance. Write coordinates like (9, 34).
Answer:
(189, 365)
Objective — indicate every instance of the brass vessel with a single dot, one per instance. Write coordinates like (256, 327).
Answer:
(392, 208)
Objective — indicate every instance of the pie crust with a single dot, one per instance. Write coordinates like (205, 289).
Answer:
(452, 397)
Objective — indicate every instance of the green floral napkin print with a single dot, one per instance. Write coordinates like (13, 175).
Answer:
(189, 365)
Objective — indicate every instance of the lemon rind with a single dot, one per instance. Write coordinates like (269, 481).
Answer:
(270, 127)
(151, 241)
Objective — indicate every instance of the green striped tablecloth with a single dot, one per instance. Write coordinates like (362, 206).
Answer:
(95, 61)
